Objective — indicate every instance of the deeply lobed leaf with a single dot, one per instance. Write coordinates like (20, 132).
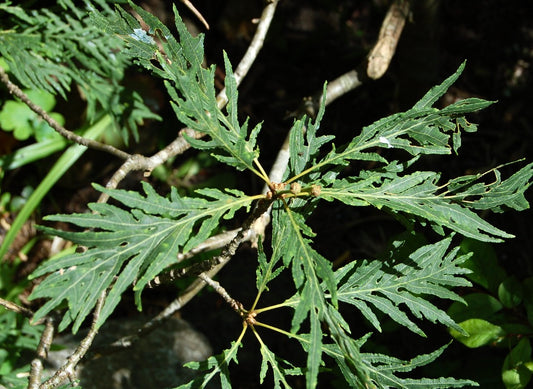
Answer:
(383, 371)
(449, 205)
(190, 85)
(421, 130)
(128, 246)
(376, 285)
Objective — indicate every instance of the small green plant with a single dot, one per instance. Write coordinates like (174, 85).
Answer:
(500, 314)
(19, 118)
(144, 236)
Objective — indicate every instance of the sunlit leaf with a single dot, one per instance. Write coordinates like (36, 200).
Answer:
(129, 245)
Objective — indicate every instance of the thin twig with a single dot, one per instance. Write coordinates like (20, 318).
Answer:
(16, 308)
(212, 243)
(197, 13)
(243, 234)
(67, 370)
(45, 342)
(374, 66)
(391, 29)
(253, 49)
(69, 135)
(234, 304)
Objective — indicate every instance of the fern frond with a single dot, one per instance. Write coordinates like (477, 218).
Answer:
(129, 245)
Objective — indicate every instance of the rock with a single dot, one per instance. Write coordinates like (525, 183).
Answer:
(154, 361)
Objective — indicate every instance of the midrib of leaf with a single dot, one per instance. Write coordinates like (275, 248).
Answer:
(309, 263)
(415, 205)
(388, 195)
(316, 306)
(278, 374)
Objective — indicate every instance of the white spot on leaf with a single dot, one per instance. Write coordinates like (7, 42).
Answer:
(382, 139)
(140, 35)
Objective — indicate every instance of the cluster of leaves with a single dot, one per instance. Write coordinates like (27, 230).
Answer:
(132, 242)
(499, 313)
(62, 48)
(18, 338)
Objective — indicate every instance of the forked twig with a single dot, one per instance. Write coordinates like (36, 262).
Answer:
(16, 308)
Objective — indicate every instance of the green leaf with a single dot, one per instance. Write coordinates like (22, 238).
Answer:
(129, 245)
(280, 367)
(510, 292)
(308, 270)
(266, 270)
(438, 91)
(417, 194)
(421, 130)
(225, 131)
(383, 371)
(508, 194)
(516, 378)
(483, 263)
(382, 286)
(516, 373)
(475, 306)
(189, 84)
(215, 365)
(304, 145)
(480, 332)
(18, 117)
